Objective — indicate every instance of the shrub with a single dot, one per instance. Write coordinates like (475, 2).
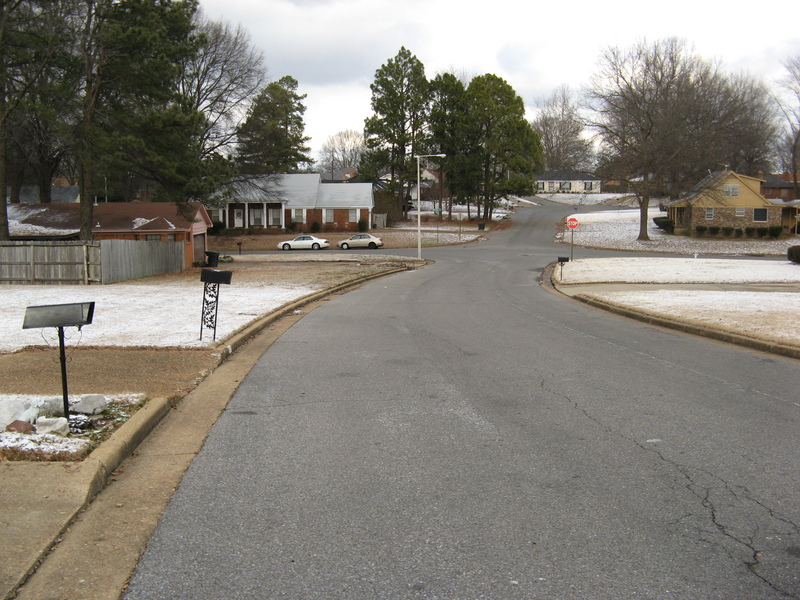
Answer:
(775, 231)
(738, 232)
(291, 226)
(315, 227)
(362, 225)
(217, 227)
(793, 254)
(727, 231)
(714, 230)
(664, 223)
(700, 230)
(750, 231)
(762, 231)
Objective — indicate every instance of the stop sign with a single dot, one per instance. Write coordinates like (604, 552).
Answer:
(572, 223)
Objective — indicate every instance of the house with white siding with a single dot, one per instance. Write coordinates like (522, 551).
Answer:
(567, 182)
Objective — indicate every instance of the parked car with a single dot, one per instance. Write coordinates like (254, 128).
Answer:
(360, 240)
(304, 242)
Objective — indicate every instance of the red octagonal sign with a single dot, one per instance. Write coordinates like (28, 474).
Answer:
(572, 223)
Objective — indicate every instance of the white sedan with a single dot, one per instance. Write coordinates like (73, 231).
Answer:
(304, 242)
(360, 240)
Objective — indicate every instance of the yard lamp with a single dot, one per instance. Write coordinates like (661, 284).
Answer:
(419, 203)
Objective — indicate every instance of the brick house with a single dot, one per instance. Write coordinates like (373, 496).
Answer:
(147, 221)
(295, 201)
(725, 199)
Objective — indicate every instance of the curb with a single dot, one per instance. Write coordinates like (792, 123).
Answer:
(111, 453)
(97, 469)
(668, 323)
(715, 334)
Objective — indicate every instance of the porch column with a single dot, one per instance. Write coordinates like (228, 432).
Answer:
(264, 216)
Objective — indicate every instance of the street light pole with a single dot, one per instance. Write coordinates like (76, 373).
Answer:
(419, 203)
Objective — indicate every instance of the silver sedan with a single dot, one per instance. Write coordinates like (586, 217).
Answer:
(360, 240)
(304, 242)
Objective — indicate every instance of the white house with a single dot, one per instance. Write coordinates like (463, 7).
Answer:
(567, 182)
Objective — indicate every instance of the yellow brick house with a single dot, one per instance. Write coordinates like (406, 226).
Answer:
(724, 199)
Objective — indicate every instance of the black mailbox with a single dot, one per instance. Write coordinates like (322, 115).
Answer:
(563, 259)
(59, 315)
(215, 276)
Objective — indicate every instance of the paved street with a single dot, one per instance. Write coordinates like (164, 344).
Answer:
(459, 432)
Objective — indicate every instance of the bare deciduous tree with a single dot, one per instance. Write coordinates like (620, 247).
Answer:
(221, 79)
(790, 107)
(562, 132)
(342, 151)
(656, 108)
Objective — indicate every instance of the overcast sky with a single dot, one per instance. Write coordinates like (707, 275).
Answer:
(333, 47)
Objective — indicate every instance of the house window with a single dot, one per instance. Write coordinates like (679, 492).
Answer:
(587, 186)
(170, 237)
(709, 214)
(274, 216)
(298, 215)
(540, 186)
(328, 216)
(256, 217)
(740, 212)
(760, 215)
(352, 215)
(150, 237)
(551, 186)
(565, 186)
(730, 190)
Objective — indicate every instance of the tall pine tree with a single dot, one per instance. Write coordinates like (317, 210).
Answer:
(271, 140)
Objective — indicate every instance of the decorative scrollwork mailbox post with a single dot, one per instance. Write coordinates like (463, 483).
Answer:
(212, 278)
(60, 316)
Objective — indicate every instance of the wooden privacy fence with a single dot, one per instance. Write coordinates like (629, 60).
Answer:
(106, 261)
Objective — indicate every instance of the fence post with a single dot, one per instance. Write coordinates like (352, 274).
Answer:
(32, 274)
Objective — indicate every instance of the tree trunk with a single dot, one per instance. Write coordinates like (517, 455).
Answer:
(644, 205)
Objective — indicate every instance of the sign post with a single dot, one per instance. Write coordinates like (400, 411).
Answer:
(211, 278)
(60, 316)
(572, 223)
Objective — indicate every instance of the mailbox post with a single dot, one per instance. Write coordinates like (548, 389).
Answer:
(60, 316)
(212, 278)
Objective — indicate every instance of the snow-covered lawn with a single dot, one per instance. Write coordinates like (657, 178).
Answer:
(656, 269)
(128, 314)
(768, 315)
(618, 230)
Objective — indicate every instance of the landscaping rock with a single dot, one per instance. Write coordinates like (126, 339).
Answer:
(90, 404)
(49, 405)
(10, 411)
(54, 426)
(20, 427)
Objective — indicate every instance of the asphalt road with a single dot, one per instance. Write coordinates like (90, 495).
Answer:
(459, 432)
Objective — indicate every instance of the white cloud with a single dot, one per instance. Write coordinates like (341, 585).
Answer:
(334, 47)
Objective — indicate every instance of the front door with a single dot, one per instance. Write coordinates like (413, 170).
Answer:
(238, 217)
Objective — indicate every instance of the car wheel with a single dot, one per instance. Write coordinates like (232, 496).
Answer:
(372, 245)
(345, 246)
(287, 247)
(315, 246)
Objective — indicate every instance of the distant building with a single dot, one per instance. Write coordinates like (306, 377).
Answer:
(567, 182)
